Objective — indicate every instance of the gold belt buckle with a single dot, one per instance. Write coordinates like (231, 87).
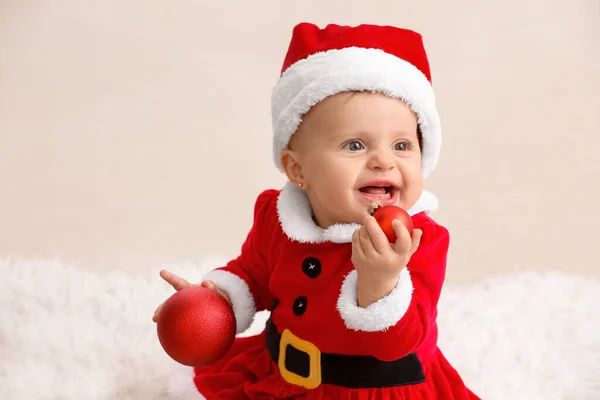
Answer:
(314, 354)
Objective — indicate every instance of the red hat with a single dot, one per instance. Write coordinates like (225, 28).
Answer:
(383, 59)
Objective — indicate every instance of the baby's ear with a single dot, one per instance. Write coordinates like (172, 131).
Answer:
(290, 161)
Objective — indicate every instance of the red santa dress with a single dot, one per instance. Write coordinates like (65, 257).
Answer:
(318, 344)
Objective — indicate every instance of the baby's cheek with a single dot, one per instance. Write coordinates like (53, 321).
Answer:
(413, 176)
(411, 190)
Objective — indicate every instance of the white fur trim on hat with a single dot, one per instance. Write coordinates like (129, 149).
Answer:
(324, 74)
(242, 300)
(295, 216)
(382, 314)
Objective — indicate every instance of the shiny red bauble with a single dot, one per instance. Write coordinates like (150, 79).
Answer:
(384, 217)
(196, 326)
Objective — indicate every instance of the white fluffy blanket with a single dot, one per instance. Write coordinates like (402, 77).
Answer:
(68, 333)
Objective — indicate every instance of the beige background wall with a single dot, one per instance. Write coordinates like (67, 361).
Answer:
(129, 129)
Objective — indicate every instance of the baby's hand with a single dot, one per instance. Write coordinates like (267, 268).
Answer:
(377, 261)
(179, 283)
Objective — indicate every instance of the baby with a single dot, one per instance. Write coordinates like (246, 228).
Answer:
(353, 316)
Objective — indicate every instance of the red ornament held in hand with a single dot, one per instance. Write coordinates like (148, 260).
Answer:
(196, 326)
(384, 217)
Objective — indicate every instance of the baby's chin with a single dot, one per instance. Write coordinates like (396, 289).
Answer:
(356, 216)
(345, 218)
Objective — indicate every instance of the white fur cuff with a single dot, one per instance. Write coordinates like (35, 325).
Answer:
(239, 293)
(380, 315)
(181, 383)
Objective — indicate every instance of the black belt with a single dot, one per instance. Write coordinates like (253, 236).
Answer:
(301, 359)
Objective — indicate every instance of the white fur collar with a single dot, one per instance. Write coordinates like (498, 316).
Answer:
(295, 216)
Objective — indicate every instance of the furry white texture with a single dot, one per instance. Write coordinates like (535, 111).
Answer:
(324, 74)
(380, 315)
(242, 300)
(427, 202)
(295, 216)
(72, 334)
(181, 383)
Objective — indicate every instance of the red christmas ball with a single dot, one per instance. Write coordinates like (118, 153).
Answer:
(384, 217)
(196, 326)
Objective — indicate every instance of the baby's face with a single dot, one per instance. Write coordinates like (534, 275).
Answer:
(355, 148)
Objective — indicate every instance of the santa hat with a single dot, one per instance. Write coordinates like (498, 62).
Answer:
(383, 59)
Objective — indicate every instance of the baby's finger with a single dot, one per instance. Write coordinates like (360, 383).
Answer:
(357, 249)
(155, 316)
(224, 294)
(403, 241)
(211, 285)
(377, 237)
(208, 284)
(177, 282)
(366, 241)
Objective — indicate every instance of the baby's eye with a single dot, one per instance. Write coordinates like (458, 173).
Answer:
(354, 145)
(402, 146)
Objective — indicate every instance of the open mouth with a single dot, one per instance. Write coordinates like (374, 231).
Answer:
(385, 194)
